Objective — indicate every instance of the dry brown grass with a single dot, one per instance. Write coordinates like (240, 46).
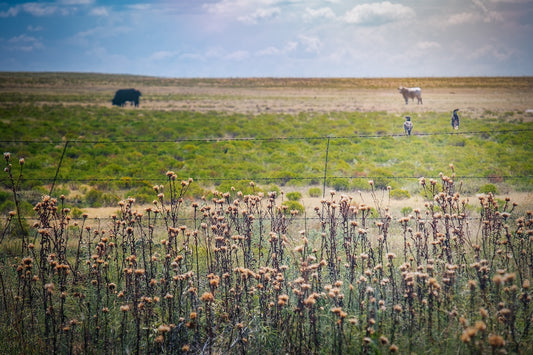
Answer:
(473, 102)
(475, 96)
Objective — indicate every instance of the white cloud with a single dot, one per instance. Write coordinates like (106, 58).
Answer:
(161, 55)
(76, 2)
(24, 43)
(12, 11)
(226, 6)
(259, 15)
(490, 51)
(39, 9)
(85, 38)
(247, 11)
(488, 16)
(378, 13)
(463, 18)
(511, 1)
(324, 12)
(428, 45)
(311, 44)
(237, 55)
(30, 28)
(269, 51)
(99, 11)
(289, 47)
(140, 7)
(192, 56)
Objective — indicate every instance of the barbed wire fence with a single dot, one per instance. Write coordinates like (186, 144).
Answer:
(65, 145)
(53, 180)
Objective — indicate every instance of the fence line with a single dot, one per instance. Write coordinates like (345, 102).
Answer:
(323, 178)
(259, 178)
(225, 139)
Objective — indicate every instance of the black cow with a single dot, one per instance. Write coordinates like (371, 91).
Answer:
(126, 95)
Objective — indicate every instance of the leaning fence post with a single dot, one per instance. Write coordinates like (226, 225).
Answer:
(58, 167)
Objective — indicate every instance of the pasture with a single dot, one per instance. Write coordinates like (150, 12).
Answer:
(265, 215)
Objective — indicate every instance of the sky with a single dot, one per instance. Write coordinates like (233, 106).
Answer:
(269, 38)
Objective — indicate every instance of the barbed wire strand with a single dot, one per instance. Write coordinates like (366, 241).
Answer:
(257, 178)
(226, 139)
(261, 178)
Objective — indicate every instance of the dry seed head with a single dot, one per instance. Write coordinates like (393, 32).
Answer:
(163, 328)
(480, 326)
(468, 334)
(207, 297)
(498, 279)
(49, 287)
(509, 277)
(496, 341)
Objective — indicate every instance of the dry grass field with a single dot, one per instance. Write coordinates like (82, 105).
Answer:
(476, 97)
(474, 102)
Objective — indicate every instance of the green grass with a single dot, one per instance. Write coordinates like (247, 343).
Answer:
(40, 113)
(112, 143)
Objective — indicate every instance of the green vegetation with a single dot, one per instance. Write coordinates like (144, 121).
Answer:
(315, 192)
(123, 151)
(488, 188)
(400, 194)
(293, 206)
(224, 262)
(113, 144)
(293, 196)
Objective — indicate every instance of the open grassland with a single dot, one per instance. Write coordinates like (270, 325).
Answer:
(311, 224)
(271, 131)
(476, 96)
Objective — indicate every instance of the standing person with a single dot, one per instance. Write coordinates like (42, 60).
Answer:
(455, 119)
(408, 125)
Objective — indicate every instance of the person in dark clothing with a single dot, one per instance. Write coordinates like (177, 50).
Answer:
(455, 119)
(408, 125)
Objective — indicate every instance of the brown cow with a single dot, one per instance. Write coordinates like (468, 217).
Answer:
(411, 93)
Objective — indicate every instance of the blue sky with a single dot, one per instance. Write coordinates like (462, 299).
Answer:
(269, 38)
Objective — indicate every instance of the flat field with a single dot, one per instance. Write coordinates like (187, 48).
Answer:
(408, 244)
(477, 97)
(215, 130)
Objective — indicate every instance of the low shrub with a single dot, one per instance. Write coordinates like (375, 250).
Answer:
(76, 213)
(294, 206)
(94, 198)
(315, 192)
(399, 194)
(293, 196)
(406, 211)
(488, 188)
